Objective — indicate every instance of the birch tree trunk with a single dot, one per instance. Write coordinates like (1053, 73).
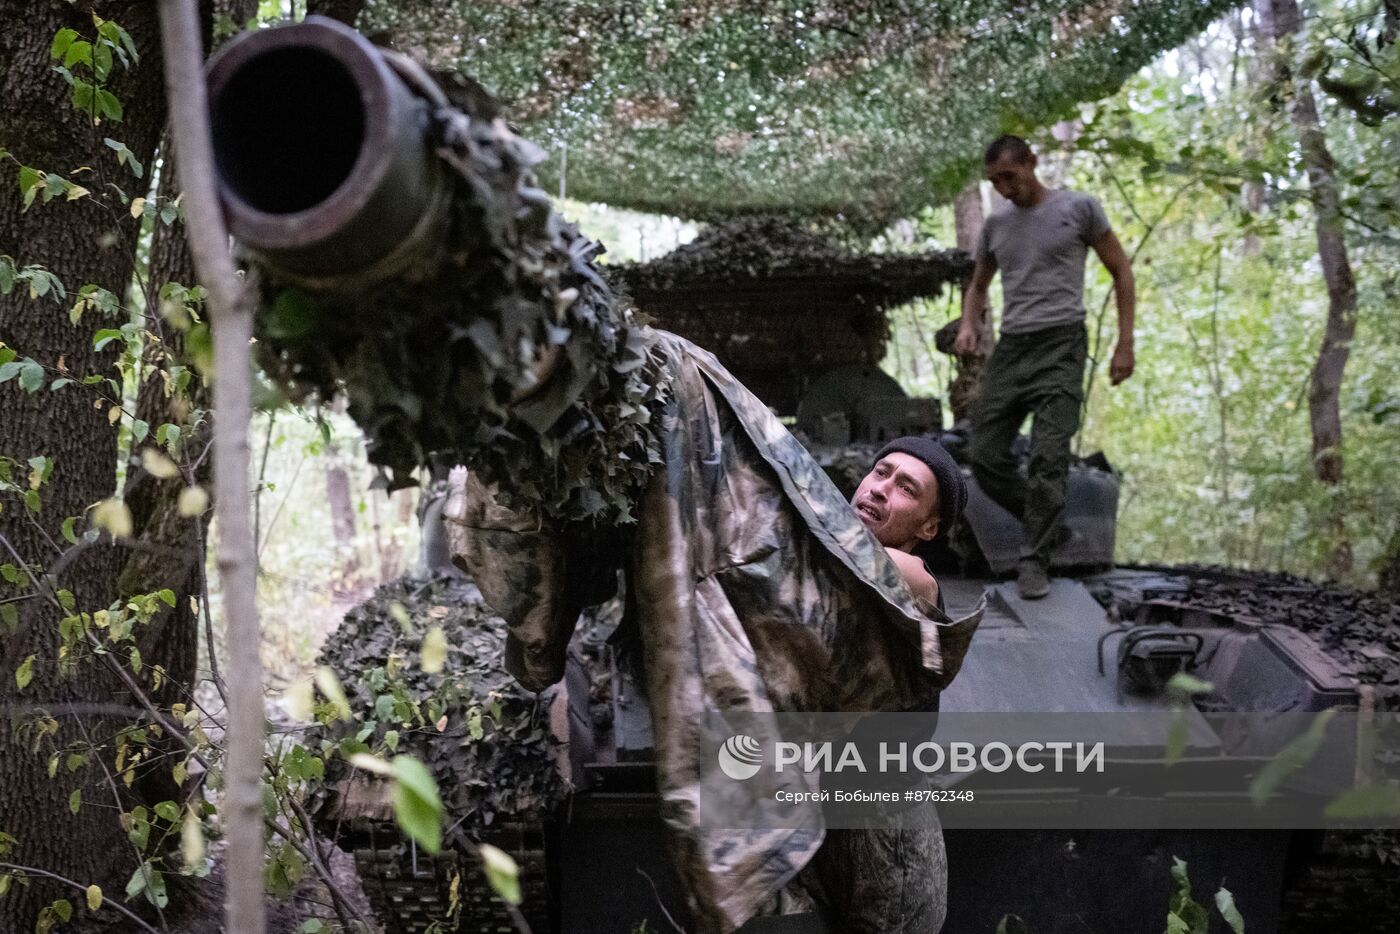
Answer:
(1283, 23)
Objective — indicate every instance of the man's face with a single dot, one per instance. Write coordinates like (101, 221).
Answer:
(898, 501)
(1013, 180)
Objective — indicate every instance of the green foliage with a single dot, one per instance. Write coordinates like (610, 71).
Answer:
(87, 63)
(1187, 916)
(417, 805)
(502, 873)
(481, 737)
(1198, 169)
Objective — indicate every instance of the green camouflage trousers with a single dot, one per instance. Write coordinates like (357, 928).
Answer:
(1039, 374)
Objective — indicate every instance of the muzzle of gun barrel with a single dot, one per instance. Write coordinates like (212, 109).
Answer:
(322, 148)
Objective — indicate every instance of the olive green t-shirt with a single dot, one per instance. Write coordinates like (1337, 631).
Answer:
(1040, 252)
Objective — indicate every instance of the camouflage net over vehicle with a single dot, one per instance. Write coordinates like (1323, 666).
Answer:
(430, 360)
(816, 108)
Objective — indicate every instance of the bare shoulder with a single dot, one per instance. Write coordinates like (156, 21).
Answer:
(920, 582)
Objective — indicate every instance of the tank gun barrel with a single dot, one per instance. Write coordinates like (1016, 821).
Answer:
(409, 261)
(322, 149)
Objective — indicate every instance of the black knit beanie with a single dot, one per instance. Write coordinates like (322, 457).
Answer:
(952, 488)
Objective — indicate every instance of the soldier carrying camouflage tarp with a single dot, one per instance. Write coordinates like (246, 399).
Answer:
(756, 587)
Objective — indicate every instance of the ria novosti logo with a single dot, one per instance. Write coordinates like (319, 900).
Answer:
(740, 757)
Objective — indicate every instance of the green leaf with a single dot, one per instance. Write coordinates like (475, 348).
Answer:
(109, 106)
(192, 846)
(61, 40)
(30, 181)
(329, 686)
(148, 880)
(135, 660)
(1365, 801)
(434, 651)
(94, 897)
(193, 501)
(25, 673)
(75, 800)
(64, 909)
(1183, 684)
(168, 811)
(31, 375)
(78, 51)
(501, 872)
(139, 430)
(32, 501)
(417, 806)
(114, 516)
(125, 156)
(1225, 904)
(68, 535)
(84, 97)
(101, 61)
(105, 336)
(7, 282)
(137, 883)
(167, 596)
(1291, 758)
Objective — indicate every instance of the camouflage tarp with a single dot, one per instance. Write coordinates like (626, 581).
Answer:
(754, 587)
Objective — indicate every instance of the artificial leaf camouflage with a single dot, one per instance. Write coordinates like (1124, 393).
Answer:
(753, 586)
(430, 357)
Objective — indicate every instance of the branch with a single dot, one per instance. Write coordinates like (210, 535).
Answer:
(106, 902)
(117, 799)
(231, 322)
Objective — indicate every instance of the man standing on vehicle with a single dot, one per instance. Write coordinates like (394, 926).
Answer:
(1039, 242)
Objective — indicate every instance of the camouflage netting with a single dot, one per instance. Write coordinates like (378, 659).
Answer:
(429, 362)
(484, 737)
(817, 108)
(747, 251)
(780, 304)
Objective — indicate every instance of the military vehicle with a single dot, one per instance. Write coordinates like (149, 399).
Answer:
(574, 769)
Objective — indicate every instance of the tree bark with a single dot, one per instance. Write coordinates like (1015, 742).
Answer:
(89, 240)
(967, 224)
(1324, 392)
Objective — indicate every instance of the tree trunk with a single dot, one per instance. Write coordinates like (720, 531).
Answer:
(1253, 190)
(967, 223)
(342, 526)
(1324, 392)
(80, 242)
(1388, 581)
